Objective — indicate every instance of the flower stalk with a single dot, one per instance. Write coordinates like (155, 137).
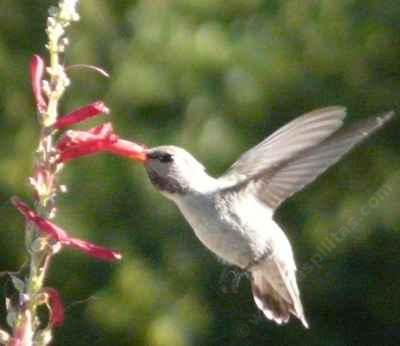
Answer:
(23, 316)
(43, 237)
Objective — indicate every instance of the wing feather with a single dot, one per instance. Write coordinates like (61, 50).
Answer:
(303, 132)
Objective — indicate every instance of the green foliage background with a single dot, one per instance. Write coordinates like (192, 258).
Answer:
(215, 77)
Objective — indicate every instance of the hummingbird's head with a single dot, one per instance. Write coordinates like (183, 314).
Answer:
(172, 170)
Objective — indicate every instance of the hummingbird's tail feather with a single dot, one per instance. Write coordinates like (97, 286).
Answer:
(275, 292)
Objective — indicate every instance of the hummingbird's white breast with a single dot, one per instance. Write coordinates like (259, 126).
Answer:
(237, 228)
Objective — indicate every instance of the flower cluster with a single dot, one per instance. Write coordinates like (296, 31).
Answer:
(58, 145)
(71, 145)
(46, 236)
(102, 138)
(74, 144)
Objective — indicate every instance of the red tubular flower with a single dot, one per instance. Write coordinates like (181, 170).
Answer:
(81, 114)
(43, 225)
(80, 143)
(58, 234)
(37, 70)
(74, 139)
(56, 306)
(94, 250)
(102, 138)
(128, 149)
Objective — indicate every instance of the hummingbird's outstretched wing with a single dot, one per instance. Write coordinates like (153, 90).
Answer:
(275, 181)
(301, 133)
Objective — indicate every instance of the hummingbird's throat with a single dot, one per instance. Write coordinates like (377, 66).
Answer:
(165, 184)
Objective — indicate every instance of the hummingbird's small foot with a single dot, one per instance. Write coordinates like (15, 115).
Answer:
(230, 279)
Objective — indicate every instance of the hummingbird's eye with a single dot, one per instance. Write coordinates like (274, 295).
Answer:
(161, 156)
(165, 157)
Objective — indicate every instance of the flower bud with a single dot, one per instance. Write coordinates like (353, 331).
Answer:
(36, 70)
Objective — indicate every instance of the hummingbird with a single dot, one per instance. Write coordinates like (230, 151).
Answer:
(233, 215)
